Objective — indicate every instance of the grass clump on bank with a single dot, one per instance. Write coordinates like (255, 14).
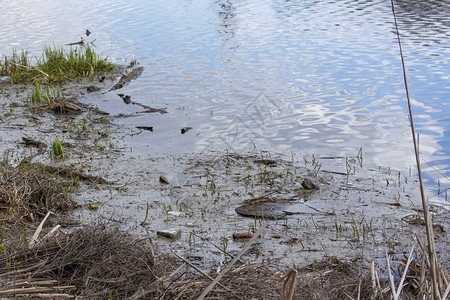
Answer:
(55, 65)
(39, 96)
(57, 148)
(28, 192)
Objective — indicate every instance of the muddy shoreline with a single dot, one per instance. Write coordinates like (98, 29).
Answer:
(358, 213)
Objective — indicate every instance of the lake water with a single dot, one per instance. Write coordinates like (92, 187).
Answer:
(311, 77)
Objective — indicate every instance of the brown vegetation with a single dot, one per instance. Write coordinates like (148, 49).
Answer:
(28, 192)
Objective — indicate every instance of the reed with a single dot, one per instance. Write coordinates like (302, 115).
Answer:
(432, 255)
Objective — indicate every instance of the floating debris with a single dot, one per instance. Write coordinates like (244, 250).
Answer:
(148, 128)
(80, 43)
(126, 98)
(125, 79)
(185, 129)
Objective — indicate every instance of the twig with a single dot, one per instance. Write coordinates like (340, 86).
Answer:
(292, 273)
(396, 293)
(29, 67)
(233, 261)
(221, 249)
(374, 281)
(15, 272)
(51, 233)
(204, 274)
(35, 290)
(447, 292)
(33, 240)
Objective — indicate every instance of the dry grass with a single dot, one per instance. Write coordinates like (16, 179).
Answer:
(28, 192)
(95, 262)
(98, 264)
(328, 279)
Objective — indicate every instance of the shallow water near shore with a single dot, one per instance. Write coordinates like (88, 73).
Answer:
(316, 77)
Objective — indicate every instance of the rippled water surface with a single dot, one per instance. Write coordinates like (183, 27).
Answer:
(316, 77)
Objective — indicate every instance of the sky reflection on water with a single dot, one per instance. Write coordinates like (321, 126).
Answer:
(327, 73)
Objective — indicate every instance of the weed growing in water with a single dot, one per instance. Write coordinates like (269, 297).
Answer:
(100, 146)
(57, 148)
(39, 96)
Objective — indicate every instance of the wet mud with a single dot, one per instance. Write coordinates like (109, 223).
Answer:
(316, 207)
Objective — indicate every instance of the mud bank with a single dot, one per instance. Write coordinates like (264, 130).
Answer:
(216, 200)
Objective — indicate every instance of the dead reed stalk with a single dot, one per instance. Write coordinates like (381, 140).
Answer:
(435, 274)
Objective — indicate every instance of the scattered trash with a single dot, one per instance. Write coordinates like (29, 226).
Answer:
(242, 237)
(163, 179)
(177, 213)
(172, 233)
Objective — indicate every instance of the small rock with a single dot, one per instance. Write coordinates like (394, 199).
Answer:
(126, 98)
(92, 88)
(163, 179)
(93, 206)
(172, 233)
(307, 184)
(185, 129)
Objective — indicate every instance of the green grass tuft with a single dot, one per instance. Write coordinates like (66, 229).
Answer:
(57, 148)
(39, 96)
(55, 65)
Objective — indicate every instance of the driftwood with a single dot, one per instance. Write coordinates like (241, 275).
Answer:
(125, 79)
(65, 107)
(68, 172)
(32, 142)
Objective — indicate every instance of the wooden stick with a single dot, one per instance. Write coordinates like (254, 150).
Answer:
(14, 272)
(56, 296)
(447, 292)
(35, 290)
(203, 273)
(233, 261)
(38, 231)
(51, 233)
(292, 273)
